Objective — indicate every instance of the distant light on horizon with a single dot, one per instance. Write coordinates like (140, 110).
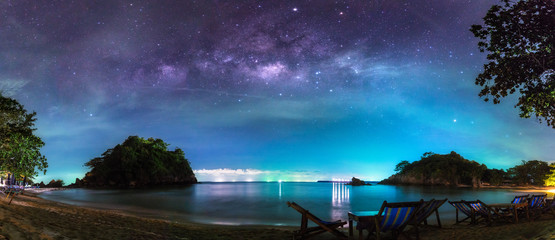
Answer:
(256, 175)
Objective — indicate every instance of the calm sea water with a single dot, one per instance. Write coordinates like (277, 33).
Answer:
(266, 203)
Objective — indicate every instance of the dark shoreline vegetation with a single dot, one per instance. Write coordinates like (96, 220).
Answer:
(140, 162)
(454, 170)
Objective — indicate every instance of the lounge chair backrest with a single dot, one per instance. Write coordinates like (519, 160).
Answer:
(303, 211)
(462, 206)
(520, 199)
(537, 201)
(479, 207)
(397, 215)
(322, 226)
(428, 208)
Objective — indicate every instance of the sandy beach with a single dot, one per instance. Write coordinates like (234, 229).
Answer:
(30, 217)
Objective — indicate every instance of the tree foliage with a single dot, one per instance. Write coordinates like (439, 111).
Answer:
(495, 177)
(402, 166)
(532, 172)
(550, 181)
(138, 161)
(19, 147)
(446, 169)
(453, 169)
(519, 38)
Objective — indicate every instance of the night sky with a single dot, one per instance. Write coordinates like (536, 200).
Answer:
(261, 90)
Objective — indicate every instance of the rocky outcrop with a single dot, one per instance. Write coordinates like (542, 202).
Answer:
(357, 182)
(78, 184)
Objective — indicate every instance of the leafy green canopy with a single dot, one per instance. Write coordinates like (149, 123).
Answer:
(139, 160)
(550, 181)
(452, 168)
(19, 147)
(532, 172)
(519, 38)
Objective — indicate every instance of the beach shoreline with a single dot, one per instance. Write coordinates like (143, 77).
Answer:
(31, 217)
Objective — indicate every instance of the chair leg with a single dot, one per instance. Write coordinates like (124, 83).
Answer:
(378, 230)
(11, 199)
(437, 217)
(304, 222)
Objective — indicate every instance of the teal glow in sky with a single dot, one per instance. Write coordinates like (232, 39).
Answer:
(261, 91)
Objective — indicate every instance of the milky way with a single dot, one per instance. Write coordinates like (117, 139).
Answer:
(293, 90)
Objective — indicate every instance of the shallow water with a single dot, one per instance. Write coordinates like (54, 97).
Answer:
(265, 203)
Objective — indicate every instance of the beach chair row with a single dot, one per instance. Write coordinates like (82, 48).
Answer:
(531, 207)
(393, 217)
(12, 187)
(12, 190)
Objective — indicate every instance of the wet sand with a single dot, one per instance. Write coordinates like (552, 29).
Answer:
(30, 217)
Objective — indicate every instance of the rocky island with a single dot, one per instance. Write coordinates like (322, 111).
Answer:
(138, 162)
(357, 182)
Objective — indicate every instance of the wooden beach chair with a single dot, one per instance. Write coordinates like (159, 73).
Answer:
(11, 189)
(520, 199)
(462, 206)
(480, 211)
(322, 226)
(491, 214)
(536, 204)
(394, 217)
(426, 210)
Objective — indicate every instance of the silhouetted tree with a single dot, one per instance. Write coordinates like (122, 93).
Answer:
(402, 166)
(494, 177)
(519, 38)
(532, 172)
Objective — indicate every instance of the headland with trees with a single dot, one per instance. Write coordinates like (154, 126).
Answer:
(454, 170)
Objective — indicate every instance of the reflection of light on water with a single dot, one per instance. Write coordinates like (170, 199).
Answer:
(340, 193)
(340, 198)
(279, 183)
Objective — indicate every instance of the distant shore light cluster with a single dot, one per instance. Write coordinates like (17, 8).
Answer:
(256, 175)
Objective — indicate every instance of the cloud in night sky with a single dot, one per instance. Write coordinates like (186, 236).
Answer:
(331, 90)
(10, 87)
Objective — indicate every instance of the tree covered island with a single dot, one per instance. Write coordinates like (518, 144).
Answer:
(139, 162)
(454, 170)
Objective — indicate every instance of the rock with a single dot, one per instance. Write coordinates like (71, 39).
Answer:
(357, 182)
